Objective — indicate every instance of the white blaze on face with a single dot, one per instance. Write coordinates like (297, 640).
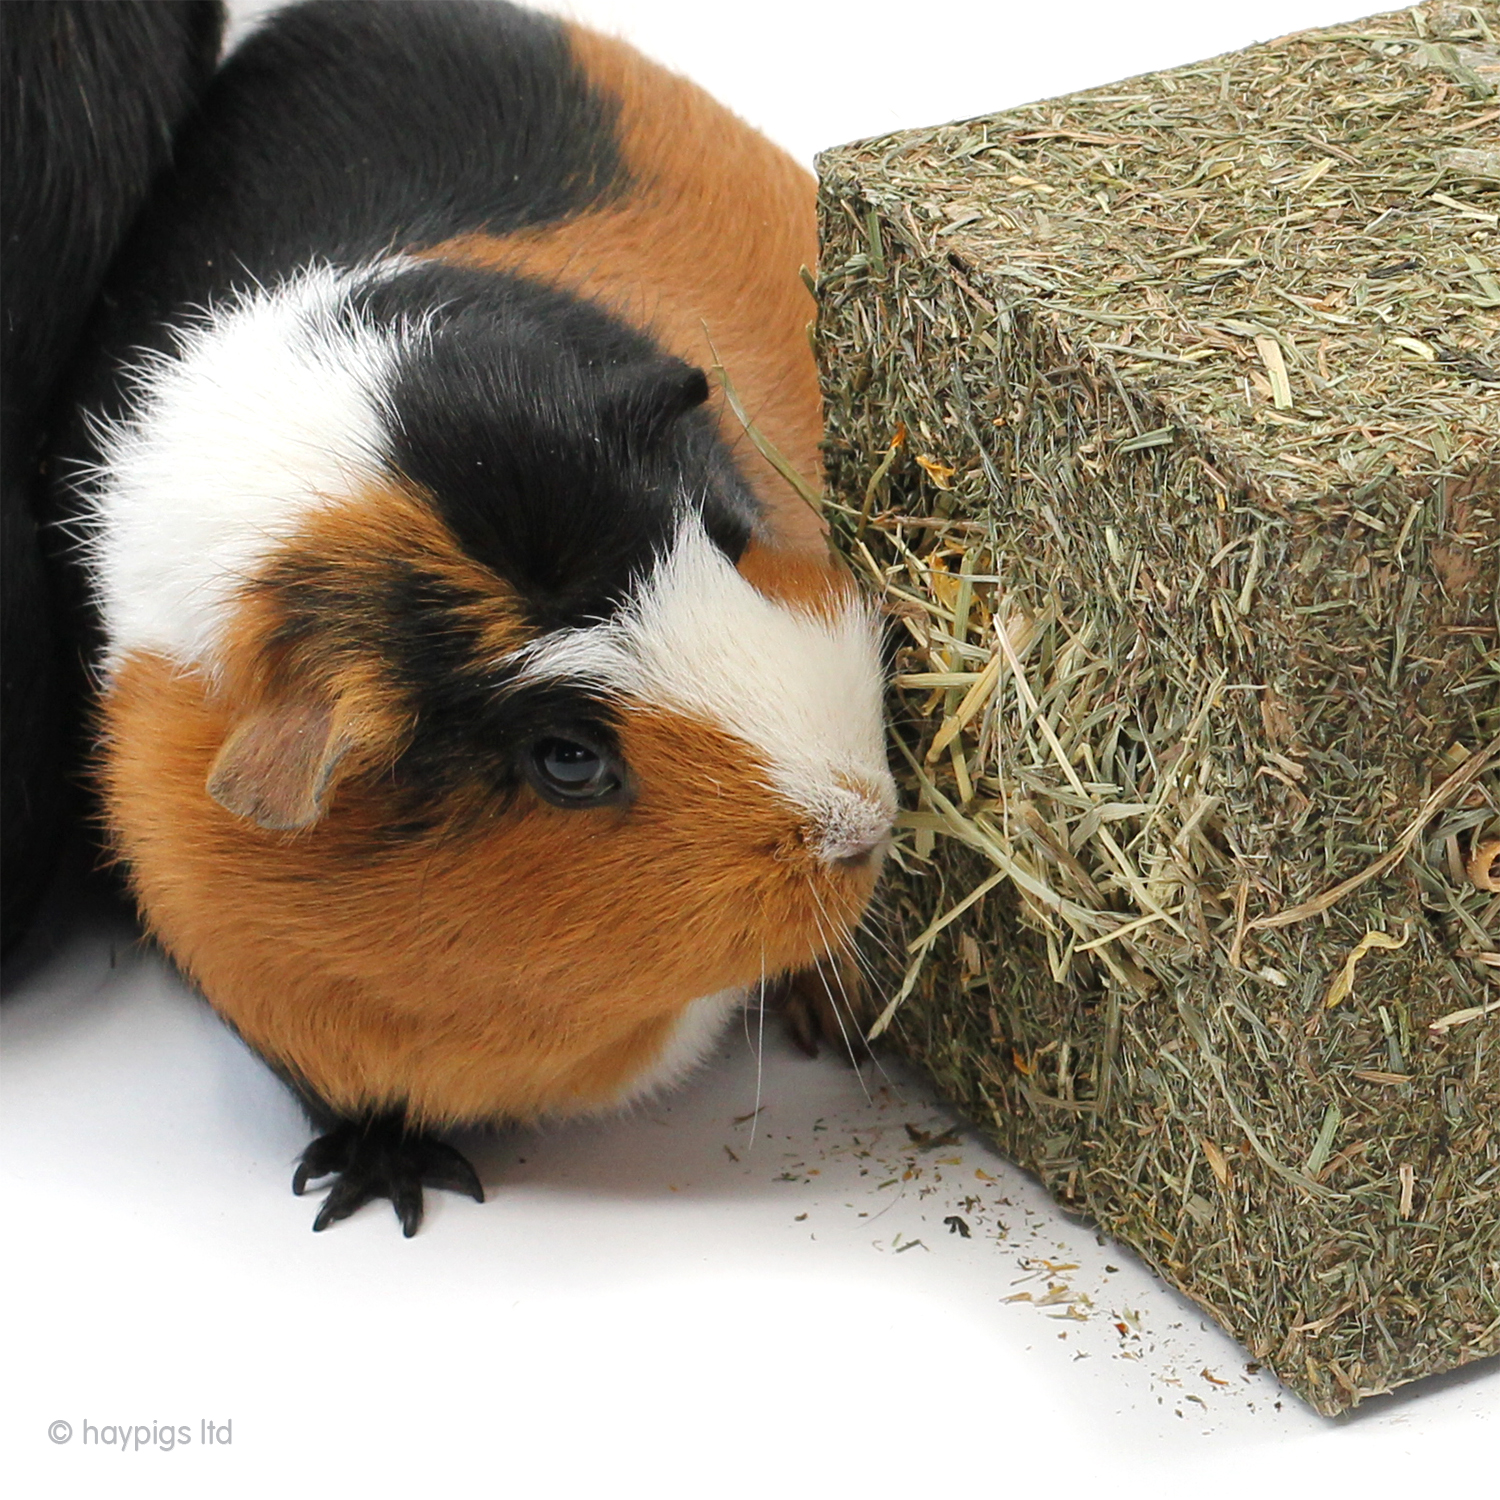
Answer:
(803, 689)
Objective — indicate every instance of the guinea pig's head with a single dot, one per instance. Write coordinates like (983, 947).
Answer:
(539, 707)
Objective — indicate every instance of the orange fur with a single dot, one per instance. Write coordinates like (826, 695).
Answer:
(354, 544)
(810, 581)
(705, 252)
(530, 961)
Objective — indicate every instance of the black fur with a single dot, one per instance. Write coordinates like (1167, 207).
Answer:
(92, 94)
(344, 129)
(559, 444)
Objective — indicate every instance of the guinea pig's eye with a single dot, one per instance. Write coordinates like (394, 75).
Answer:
(574, 772)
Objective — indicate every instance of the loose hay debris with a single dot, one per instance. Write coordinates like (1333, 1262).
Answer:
(1165, 418)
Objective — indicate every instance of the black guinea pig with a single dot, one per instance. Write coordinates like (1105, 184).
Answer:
(481, 718)
(90, 96)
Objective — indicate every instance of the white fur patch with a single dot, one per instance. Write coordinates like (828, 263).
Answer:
(268, 409)
(803, 690)
(695, 1035)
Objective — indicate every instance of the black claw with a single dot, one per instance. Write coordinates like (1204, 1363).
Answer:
(406, 1199)
(381, 1158)
(447, 1168)
(348, 1195)
(329, 1153)
(800, 1028)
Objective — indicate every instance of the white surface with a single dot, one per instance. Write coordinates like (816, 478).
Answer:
(636, 1312)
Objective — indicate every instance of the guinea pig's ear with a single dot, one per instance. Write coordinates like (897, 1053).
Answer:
(808, 579)
(280, 762)
(648, 397)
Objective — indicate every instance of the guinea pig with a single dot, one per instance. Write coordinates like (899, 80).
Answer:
(481, 719)
(91, 96)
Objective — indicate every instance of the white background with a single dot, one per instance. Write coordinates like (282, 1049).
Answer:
(684, 1302)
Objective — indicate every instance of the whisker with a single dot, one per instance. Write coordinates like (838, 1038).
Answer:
(866, 968)
(422, 893)
(874, 918)
(760, 1052)
(844, 940)
(842, 937)
(838, 1015)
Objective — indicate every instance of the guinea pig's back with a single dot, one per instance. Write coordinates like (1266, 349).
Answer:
(479, 132)
(703, 245)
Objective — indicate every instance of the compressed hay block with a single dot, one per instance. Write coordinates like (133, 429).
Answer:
(1166, 417)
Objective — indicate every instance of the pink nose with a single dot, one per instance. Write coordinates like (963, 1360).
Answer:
(859, 858)
(855, 831)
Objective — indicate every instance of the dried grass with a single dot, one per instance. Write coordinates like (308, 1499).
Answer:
(1165, 419)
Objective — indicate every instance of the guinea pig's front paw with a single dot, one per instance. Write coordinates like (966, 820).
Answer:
(382, 1157)
(823, 1003)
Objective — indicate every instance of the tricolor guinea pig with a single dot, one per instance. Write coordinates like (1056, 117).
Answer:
(481, 720)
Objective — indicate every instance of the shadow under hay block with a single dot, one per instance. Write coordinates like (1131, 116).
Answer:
(1165, 418)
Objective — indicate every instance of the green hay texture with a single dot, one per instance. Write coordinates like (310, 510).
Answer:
(1166, 420)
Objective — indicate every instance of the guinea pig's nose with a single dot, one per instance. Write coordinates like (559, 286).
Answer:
(854, 828)
(861, 858)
